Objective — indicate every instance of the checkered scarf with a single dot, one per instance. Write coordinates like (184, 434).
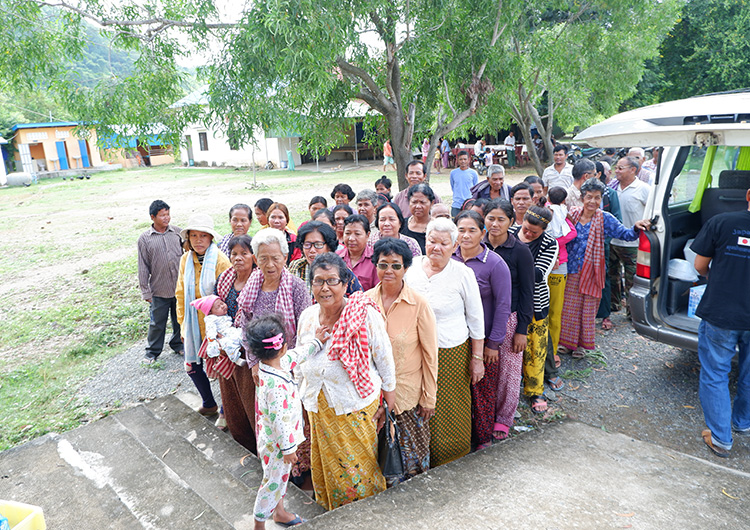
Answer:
(593, 269)
(350, 344)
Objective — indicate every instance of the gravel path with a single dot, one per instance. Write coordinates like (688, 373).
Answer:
(646, 390)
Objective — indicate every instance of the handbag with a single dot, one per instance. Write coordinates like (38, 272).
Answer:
(389, 449)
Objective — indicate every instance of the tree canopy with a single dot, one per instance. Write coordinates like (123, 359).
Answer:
(423, 67)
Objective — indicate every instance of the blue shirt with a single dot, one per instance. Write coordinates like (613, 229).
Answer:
(461, 182)
(577, 247)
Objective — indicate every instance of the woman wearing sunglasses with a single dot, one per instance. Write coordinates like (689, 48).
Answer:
(411, 326)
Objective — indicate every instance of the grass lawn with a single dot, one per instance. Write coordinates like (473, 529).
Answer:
(68, 272)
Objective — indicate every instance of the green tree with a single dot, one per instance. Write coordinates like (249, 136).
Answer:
(707, 51)
(574, 62)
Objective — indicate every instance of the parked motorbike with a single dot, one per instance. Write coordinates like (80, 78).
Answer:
(478, 164)
(576, 153)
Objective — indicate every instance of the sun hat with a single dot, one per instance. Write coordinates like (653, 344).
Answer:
(205, 304)
(200, 222)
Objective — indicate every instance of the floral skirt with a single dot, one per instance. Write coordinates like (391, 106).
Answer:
(344, 455)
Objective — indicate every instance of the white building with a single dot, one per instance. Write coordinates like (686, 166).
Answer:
(204, 145)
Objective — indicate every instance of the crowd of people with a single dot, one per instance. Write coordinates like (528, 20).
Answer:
(444, 314)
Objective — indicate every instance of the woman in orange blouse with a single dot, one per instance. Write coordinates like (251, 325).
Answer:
(410, 324)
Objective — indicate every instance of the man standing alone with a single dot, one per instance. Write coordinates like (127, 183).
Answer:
(510, 149)
(462, 179)
(724, 244)
(159, 252)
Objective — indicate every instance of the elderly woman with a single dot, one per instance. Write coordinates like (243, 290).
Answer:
(493, 277)
(453, 294)
(421, 198)
(240, 218)
(278, 218)
(342, 386)
(316, 238)
(498, 217)
(389, 221)
(357, 252)
(544, 250)
(340, 213)
(587, 269)
(236, 383)
(200, 266)
(521, 198)
(412, 329)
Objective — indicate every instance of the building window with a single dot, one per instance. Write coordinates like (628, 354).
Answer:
(203, 141)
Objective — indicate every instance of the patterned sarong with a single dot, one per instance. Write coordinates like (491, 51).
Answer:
(450, 427)
(578, 316)
(414, 439)
(344, 455)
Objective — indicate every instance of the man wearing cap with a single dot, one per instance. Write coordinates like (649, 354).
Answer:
(159, 252)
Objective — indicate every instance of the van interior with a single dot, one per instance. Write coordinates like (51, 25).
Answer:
(704, 182)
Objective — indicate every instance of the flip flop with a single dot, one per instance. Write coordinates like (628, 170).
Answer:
(294, 522)
(578, 354)
(556, 384)
(606, 324)
(715, 449)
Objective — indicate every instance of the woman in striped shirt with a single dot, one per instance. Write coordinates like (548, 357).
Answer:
(544, 250)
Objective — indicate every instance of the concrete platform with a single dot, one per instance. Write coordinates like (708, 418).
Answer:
(570, 475)
(163, 466)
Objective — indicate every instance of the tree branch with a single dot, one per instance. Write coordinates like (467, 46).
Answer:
(382, 104)
(166, 22)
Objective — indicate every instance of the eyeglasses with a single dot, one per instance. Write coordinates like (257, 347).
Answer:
(394, 266)
(316, 244)
(317, 282)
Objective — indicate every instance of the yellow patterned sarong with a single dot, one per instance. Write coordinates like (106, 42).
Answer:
(344, 455)
(450, 427)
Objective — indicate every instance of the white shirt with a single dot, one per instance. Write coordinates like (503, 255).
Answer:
(453, 295)
(510, 142)
(632, 205)
(478, 148)
(320, 373)
(552, 177)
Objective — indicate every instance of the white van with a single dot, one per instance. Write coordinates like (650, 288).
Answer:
(704, 169)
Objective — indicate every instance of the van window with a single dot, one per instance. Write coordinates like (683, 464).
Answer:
(685, 184)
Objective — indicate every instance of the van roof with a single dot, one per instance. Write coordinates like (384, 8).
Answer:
(725, 116)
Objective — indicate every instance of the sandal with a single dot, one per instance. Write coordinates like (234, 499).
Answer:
(556, 384)
(563, 350)
(294, 522)
(579, 354)
(538, 404)
(606, 324)
(500, 432)
(558, 362)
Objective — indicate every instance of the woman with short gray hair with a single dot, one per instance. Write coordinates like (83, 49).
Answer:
(586, 268)
(452, 291)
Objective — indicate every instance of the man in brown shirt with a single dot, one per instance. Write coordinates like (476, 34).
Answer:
(159, 252)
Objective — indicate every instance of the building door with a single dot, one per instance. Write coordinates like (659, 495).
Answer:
(189, 148)
(62, 155)
(84, 153)
(26, 162)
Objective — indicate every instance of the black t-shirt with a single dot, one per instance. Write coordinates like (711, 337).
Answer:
(421, 237)
(726, 239)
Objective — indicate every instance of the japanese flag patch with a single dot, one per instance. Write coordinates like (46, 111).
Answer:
(743, 241)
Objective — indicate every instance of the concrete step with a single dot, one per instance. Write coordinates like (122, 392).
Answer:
(39, 473)
(110, 454)
(222, 449)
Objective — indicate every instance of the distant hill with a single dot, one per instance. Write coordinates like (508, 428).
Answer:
(100, 61)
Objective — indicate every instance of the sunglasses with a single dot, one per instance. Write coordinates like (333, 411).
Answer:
(394, 266)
